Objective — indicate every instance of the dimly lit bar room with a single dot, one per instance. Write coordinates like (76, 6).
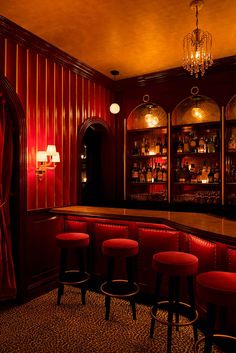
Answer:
(118, 176)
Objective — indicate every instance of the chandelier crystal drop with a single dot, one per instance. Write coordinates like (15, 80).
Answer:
(197, 46)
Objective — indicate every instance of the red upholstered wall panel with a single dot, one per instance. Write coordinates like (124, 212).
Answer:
(152, 241)
(231, 260)
(205, 251)
(57, 99)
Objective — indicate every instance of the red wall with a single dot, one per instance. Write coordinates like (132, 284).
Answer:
(56, 99)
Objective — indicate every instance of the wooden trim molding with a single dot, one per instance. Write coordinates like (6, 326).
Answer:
(30, 40)
(221, 64)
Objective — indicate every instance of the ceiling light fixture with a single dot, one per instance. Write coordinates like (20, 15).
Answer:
(197, 46)
(114, 107)
(150, 116)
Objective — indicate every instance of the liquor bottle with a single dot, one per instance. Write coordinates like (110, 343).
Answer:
(177, 170)
(143, 147)
(164, 172)
(148, 173)
(211, 176)
(204, 173)
(142, 175)
(217, 173)
(180, 147)
(135, 173)
(201, 145)
(159, 173)
(186, 144)
(186, 171)
(135, 151)
(210, 146)
(193, 174)
(158, 146)
(164, 146)
(146, 147)
(154, 173)
(199, 176)
(182, 175)
(192, 143)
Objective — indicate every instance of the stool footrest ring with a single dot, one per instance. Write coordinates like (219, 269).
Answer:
(202, 339)
(179, 304)
(119, 288)
(74, 277)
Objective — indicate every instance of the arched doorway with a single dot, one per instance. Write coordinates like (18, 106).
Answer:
(96, 163)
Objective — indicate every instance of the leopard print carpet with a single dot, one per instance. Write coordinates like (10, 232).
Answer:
(40, 326)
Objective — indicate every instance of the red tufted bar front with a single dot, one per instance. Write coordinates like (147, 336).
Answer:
(152, 238)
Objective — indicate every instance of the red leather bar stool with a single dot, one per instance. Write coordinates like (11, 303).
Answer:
(78, 276)
(174, 265)
(116, 250)
(217, 290)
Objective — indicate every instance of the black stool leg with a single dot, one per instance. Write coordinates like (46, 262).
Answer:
(81, 260)
(170, 312)
(157, 295)
(82, 270)
(192, 304)
(62, 269)
(110, 271)
(130, 276)
(211, 319)
(176, 288)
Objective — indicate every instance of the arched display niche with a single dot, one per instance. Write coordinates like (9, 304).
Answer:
(196, 109)
(197, 167)
(146, 155)
(96, 163)
(18, 196)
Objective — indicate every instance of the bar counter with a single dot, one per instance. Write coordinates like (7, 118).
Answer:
(217, 226)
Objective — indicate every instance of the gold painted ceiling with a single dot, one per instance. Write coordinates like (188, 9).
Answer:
(132, 36)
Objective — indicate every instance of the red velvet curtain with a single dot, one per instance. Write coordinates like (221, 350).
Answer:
(7, 273)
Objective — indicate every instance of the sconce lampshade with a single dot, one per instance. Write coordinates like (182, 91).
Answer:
(56, 157)
(51, 150)
(41, 156)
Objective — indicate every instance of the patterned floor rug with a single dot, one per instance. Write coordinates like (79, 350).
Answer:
(41, 326)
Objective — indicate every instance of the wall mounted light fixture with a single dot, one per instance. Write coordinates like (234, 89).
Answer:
(114, 107)
(46, 160)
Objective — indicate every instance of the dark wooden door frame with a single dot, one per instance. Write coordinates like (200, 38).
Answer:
(94, 123)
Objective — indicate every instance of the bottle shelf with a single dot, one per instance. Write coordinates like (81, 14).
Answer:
(197, 154)
(197, 184)
(147, 183)
(148, 156)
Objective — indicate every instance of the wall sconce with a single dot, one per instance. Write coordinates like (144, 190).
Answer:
(46, 160)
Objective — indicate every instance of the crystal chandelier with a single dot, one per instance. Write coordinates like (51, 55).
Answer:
(197, 46)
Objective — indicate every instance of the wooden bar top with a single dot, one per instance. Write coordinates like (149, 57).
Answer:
(187, 221)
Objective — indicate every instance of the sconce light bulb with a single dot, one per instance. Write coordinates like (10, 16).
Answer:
(114, 108)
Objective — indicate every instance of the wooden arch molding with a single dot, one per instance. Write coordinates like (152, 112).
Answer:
(20, 174)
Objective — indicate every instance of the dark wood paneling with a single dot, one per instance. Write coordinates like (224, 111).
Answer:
(32, 126)
(41, 252)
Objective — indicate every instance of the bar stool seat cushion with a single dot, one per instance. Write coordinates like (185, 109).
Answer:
(120, 247)
(217, 287)
(175, 263)
(72, 240)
